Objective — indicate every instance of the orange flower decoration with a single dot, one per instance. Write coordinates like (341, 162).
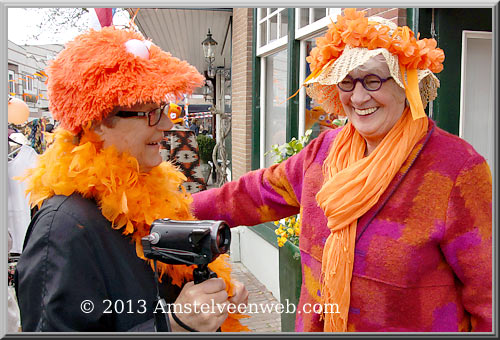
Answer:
(356, 30)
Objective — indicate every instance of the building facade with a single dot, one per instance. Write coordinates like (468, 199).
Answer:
(26, 76)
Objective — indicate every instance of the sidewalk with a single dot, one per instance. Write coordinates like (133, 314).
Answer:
(259, 295)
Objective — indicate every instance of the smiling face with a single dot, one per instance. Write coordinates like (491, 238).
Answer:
(373, 113)
(134, 135)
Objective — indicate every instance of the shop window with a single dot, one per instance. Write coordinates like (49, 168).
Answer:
(274, 102)
(312, 111)
(311, 115)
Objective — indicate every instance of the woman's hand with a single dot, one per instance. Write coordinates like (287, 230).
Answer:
(240, 296)
(195, 308)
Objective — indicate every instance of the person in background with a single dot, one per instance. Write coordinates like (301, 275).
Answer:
(100, 185)
(396, 214)
(194, 127)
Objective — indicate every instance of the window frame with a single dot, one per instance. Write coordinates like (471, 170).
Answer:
(314, 27)
(275, 45)
(12, 83)
(28, 83)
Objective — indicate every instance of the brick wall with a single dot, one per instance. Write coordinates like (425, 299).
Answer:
(241, 83)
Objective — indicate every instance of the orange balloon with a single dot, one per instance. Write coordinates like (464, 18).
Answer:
(18, 111)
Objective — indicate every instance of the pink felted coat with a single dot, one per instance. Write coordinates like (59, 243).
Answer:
(423, 256)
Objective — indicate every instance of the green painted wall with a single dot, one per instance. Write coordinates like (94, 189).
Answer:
(255, 97)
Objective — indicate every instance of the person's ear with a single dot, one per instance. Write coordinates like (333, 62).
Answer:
(98, 128)
(101, 127)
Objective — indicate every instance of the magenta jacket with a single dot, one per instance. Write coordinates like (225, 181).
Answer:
(423, 256)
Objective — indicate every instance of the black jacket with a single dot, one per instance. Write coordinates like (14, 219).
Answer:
(72, 256)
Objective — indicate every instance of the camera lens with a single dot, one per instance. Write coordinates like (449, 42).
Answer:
(223, 238)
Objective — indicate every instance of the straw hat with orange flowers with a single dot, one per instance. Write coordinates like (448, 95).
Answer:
(354, 39)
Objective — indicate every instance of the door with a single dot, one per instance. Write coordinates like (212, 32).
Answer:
(476, 98)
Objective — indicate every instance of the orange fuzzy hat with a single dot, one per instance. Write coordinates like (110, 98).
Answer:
(100, 70)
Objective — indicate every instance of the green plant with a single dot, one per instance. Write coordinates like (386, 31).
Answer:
(288, 230)
(289, 227)
(206, 146)
(286, 150)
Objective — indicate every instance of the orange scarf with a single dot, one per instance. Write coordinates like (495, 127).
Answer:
(353, 184)
(129, 199)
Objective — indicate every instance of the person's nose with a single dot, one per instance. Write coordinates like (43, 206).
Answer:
(165, 123)
(359, 94)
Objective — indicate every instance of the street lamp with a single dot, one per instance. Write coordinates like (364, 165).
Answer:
(223, 120)
(211, 71)
(206, 91)
(209, 46)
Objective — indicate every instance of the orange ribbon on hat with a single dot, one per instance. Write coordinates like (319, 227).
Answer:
(410, 81)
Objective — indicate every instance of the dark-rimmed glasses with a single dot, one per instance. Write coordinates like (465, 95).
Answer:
(371, 82)
(154, 116)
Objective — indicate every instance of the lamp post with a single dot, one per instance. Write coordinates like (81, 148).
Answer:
(206, 91)
(209, 46)
(219, 75)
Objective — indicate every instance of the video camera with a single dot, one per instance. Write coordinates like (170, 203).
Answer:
(188, 242)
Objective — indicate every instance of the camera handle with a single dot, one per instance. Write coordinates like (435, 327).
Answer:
(162, 321)
(202, 273)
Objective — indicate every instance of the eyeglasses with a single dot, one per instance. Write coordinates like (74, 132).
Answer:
(371, 82)
(154, 116)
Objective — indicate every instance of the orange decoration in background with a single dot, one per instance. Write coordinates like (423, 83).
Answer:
(317, 114)
(18, 111)
(174, 113)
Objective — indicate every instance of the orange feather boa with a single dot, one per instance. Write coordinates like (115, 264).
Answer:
(131, 200)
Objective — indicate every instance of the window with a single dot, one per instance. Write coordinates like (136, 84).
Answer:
(311, 20)
(28, 83)
(274, 97)
(310, 112)
(12, 83)
(272, 29)
(310, 23)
